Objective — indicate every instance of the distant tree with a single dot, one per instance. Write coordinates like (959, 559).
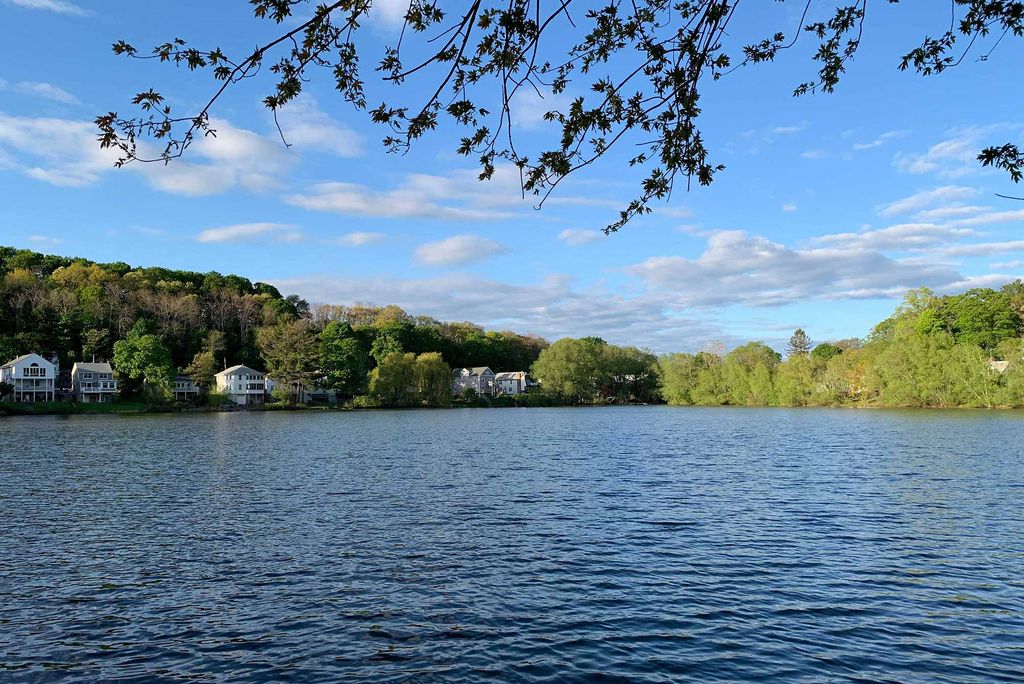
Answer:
(143, 357)
(799, 343)
(6, 390)
(202, 369)
(344, 361)
(393, 381)
(677, 376)
(433, 379)
(981, 316)
(748, 373)
(206, 363)
(1015, 292)
(572, 368)
(629, 374)
(385, 345)
(826, 350)
(291, 353)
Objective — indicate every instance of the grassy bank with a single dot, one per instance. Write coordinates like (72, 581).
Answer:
(69, 408)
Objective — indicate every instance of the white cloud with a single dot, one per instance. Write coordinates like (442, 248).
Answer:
(950, 212)
(389, 12)
(902, 236)
(58, 151)
(552, 308)
(251, 232)
(674, 212)
(458, 249)
(926, 198)
(737, 268)
(234, 157)
(457, 196)
(528, 107)
(358, 239)
(991, 217)
(983, 248)
(1004, 265)
(789, 207)
(955, 157)
(879, 141)
(816, 153)
(44, 240)
(789, 130)
(65, 152)
(577, 237)
(44, 90)
(59, 6)
(307, 127)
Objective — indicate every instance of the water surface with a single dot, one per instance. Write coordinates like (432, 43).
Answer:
(641, 544)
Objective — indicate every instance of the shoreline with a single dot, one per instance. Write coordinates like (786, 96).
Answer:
(11, 410)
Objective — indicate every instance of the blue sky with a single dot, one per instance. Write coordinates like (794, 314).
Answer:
(830, 207)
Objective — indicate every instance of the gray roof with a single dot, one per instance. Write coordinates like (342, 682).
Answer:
(511, 375)
(240, 369)
(21, 358)
(478, 370)
(92, 367)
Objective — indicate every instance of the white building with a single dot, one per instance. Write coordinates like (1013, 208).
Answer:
(31, 376)
(242, 385)
(511, 383)
(93, 383)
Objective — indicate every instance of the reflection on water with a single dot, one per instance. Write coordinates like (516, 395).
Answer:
(642, 543)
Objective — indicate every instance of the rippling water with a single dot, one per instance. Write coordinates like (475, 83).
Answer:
(646, 544)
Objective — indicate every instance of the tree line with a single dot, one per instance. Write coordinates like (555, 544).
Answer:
(153, 323)
(932, 352)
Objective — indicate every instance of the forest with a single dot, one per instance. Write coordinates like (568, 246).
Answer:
(154, 323)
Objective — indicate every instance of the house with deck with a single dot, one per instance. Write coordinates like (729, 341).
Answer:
(31, 376)
(242, 385)
(515, 382)
(306, 394)
(93, 383)
(480, 379)
(185, 388)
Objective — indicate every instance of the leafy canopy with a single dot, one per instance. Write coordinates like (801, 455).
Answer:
(636, 72)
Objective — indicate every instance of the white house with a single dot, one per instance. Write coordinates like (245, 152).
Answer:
(31, 376)
(480, 379)
(93, 383)
(511, 383)
(185, 388)
(242, 385)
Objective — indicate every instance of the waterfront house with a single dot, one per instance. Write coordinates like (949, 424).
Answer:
(31, 376)
(242, 385)
(185, 388)
(93, 383)
(511, 383)
(480, 379)
(306, 394)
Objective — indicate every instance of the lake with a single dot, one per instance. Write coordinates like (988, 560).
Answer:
(613, 544)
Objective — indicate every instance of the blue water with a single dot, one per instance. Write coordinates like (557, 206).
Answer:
(620, 544)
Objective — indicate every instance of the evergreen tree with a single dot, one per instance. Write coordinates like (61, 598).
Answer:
(799, 344)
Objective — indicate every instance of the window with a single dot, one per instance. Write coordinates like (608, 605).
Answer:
(34, 371)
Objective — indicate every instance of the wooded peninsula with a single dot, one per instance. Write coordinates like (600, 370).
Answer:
(156, 324)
